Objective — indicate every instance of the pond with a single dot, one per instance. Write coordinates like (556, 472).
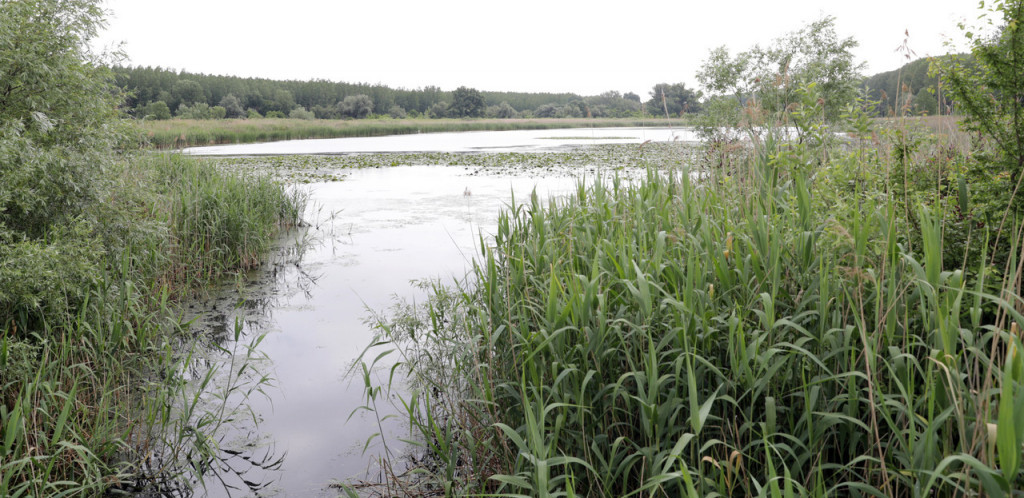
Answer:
(474, 141)
(371, 237)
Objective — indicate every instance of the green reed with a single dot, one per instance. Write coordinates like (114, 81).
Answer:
(767, 327)
(82, 383)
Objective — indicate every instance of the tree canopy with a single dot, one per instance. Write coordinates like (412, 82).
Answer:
(771, 76)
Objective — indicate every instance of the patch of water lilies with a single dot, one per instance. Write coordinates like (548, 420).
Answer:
(567, 161)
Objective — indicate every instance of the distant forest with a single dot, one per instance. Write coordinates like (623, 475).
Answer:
(908, 89)
(159, 93)
(162, 93)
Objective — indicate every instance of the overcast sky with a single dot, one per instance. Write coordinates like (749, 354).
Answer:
(584, 47)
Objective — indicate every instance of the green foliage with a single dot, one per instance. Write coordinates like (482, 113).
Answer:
(197, 111)
(301, 113)
(232, 106)
(397, 112)
(467, 103)
(908, 90)
(439, 110)
(93, 254)
(501, 111)
(769, 77)
(546, 111)
(676, 98)
(987, 89)
(612, 104)
(763, 327)
(281, 101)
(355, 106)
(157, 110)
(188, 92)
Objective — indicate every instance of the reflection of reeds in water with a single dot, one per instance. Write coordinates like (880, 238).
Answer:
(94, 393)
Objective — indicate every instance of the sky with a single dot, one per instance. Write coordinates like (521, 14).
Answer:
(582, 47)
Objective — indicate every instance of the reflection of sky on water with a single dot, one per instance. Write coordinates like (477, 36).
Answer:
(390, 226)
(475, 141)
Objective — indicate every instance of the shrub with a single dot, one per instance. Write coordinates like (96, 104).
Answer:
(156, 110)
(355, 106)
(301, 113)
(397, 112)
(232, 106)
(438, 111)
(197, 111)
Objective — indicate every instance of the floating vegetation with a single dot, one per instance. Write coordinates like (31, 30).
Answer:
(327, 168)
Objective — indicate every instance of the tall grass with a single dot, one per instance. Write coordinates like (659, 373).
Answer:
(774, 329)
(81, 380)
(178, 133)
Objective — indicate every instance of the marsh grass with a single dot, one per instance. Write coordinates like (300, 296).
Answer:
(86, 386)
(788, 325)
(179, 133)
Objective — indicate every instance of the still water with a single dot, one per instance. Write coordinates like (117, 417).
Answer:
(371, 237)
(474, 141)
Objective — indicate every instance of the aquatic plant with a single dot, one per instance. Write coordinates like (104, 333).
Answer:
(785, 326)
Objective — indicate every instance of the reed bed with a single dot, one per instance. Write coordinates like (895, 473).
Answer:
(781, 324)
(179, 133)
(87, 384)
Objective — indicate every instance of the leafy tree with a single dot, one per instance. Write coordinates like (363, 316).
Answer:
(988, 89)
(188, 92)
(770, 77)
(157, 110)
(301, 113)
(631, 96)
(438, 110)
(503, 111)
(232, 106)
(282, 101)
(59, 127)
(467, 102)
(57, 109)
(611, 104)
(197, 111)
(675, 97)
(546, 111)
(356, 106)
(252, 114)
(397, 112)
(218, 112)
(325, 112)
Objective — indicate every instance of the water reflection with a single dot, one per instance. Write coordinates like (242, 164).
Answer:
(300, 323)
(477, 141)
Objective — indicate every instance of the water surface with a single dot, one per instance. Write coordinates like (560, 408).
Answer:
(473, 141)
(372, 236)
(378, 232)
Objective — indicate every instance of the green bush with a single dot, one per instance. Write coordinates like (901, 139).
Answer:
(157, 110)
(301, 113)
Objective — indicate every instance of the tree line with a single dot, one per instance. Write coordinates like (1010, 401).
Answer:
(159, 93)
